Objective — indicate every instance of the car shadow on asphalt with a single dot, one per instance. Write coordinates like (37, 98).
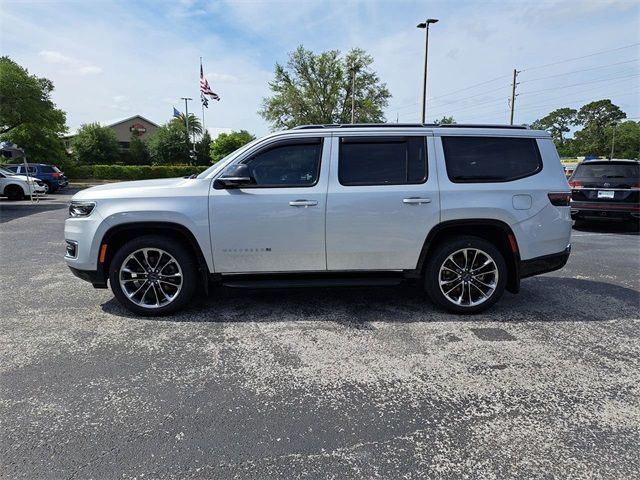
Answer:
(10, 212)
(541, 299)
(621, 228)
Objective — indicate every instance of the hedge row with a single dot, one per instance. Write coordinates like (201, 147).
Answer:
(130, 172)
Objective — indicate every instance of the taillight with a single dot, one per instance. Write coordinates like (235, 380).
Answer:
(575, 184)
(560, 199)
(55, 174)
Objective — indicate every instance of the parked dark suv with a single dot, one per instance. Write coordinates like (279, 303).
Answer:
(51, 175)
(606, 190)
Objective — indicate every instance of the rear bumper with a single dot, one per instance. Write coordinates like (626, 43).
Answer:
(95, 278)
(544, 264)
(605, 210)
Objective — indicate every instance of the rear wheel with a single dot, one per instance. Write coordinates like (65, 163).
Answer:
(47, 187)
(14, 192)
(465, 274)
(153, 275)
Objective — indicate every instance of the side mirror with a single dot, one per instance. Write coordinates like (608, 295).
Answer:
(235, 176)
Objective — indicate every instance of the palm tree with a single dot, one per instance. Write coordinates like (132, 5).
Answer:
(195, 127)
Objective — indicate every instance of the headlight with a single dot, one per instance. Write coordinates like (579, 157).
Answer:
(81, 209)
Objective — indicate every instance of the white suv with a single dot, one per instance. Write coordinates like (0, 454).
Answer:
(469, 210)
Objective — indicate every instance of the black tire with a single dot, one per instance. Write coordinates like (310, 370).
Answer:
(580, 222)
(182, 256)
(439, 256)
(14, 192)
(47, 187)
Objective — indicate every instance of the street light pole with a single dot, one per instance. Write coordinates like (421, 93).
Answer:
(186, 118)
(425, 25)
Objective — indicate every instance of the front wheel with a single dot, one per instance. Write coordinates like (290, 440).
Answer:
(14, 192)
(465, 274)
(153, 275)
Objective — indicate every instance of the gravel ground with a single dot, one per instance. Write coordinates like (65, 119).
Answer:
(317, 383)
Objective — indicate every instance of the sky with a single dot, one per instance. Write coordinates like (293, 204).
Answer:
(113, 59)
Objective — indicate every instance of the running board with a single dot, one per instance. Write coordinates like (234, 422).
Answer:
(302, 282)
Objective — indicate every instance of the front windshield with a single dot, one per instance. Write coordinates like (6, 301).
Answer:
(6, 172)
(216, 167)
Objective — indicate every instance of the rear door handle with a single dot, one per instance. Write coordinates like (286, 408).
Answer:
(303, 203)
(416, 200)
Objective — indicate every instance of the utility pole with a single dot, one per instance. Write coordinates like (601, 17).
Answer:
(513, 95)
(186, 119)
(613, 140)
(353, 94)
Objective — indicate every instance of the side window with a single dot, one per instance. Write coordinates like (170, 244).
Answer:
(32, 170)
(382, 161)
(46, 169)
(287, 164)
(490, 159)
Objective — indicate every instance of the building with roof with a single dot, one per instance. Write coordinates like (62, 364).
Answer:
(124, 129)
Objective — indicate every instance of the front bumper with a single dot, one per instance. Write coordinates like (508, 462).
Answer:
(544, 264)
(94, 277)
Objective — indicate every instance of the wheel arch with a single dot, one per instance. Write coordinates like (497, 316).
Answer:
(494, 231)
(19, 185)
(118, 235)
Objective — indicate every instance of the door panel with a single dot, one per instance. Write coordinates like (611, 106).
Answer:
(274, 229)
(379, 227)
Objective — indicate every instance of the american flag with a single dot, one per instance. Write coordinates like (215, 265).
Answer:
(205, 90)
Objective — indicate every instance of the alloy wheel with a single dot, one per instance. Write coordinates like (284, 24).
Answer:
(150, 277)
(468, 277)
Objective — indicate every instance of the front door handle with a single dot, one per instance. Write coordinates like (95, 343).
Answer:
(416, 200)
(303, 203)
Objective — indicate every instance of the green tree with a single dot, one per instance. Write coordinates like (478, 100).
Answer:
(626, 143)
(318, 88)
(596, 119)
(95, 145)
(557, 123)
(446, 120)
(168, 145)
(202, 150)
(195, 127)
(138, 151)
(28, 116)
(225, 143)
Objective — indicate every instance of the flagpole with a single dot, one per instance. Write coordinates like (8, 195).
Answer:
(204, 128)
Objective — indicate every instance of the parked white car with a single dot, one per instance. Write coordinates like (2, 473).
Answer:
(16, 187)
(467, 210)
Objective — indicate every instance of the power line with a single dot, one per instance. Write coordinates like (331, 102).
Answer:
(578, 71)
(453, 110)
(564, 103)
(581, 57)
(453, 92)
(583, 83)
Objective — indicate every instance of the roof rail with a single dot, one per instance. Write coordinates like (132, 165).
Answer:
(413, 125)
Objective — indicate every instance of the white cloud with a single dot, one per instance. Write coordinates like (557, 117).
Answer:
(52, 56)
(71, 64)
(89, 70)
(221, 77)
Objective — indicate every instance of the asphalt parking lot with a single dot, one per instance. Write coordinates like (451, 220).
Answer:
(319, 383)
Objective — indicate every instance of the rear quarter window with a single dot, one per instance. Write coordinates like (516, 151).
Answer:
(490, 159)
